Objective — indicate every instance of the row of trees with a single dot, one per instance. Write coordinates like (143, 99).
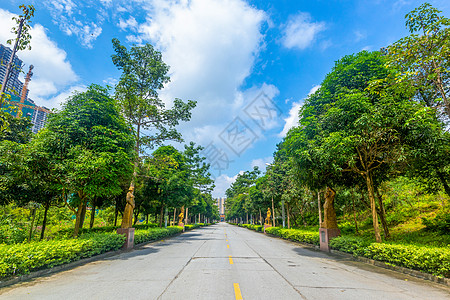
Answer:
(97, 145)
(376, 116)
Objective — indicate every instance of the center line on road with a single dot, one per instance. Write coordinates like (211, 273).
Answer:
(230, 259)
(228, 246)
(237, 291)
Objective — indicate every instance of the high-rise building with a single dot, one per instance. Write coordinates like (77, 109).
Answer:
(39, 119)
(14, 85)
(221, 205)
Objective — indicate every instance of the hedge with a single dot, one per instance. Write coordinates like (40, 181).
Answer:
(20, 259)
(152, 234)
(434, 260)
(311, 237)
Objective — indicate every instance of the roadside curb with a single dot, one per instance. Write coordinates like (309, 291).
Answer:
(411, 272)
(77, 263)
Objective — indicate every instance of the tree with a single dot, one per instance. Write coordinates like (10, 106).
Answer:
(21, 42)
(92, 146)
(423, 58)
(143, 74)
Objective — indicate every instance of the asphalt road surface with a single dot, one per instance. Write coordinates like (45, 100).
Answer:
(226, 262)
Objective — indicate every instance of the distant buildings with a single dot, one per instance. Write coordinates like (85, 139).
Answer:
(14, 87)
(221, 205)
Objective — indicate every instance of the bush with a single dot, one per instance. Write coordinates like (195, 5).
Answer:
(351, 245)
(191, 226)
(152, 234)
(251, 226)
(20, 259)
(434, 260)
(440, 223)
(299, 235)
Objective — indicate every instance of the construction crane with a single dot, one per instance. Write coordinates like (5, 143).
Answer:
(24, 91)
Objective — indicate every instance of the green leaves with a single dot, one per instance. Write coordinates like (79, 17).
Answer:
(20, 259)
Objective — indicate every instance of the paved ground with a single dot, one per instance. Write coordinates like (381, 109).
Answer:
(226, 262)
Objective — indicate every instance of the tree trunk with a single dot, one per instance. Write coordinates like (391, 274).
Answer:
(44, 222)
(354, 210)
(83, 215)
(116, 214)
(136, 216)
(382, 214)
(370, 189)
(444, 182)
(260, 217)
(146, 218)
(161, 213)
(91, 222)
(320, 207)
(174, 216)
(33, 214)
(288, 216)
(187, 216)
(79, 214)
(273, 214)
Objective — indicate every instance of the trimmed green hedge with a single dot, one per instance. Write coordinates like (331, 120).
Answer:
(253, 227)
(152, 234)
(311, 237)
(434, 260)
(191, 226)
(20, 259)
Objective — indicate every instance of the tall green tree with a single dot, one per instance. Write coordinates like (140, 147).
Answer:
(423, 58)
(144, 73)
(92, 146)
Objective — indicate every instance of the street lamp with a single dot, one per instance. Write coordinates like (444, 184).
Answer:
(282, 207)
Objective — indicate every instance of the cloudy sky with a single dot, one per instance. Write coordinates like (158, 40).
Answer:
(248, 64)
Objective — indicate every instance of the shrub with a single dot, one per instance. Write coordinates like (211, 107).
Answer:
(152, 234)
(440, 223)
(191, 226)
(351, 245)
(299, 235)
(434, 260)
(20, 259)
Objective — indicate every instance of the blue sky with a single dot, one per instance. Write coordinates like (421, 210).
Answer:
(248, 64)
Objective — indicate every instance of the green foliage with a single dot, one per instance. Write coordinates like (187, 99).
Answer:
(191, 226)
(434, 260)
(152, 234)
(439, 223)
(353, 245)
(311, 237)
(20, 259)
(252, 226)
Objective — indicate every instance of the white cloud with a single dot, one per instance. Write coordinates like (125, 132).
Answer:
(293, 118)
(300, 31)
(313, 89)
(222, 183)
(72, 20)
(211, 48)
(261, 163)
(56, 101)
(131, 23)
(52, 71)
(360, 35)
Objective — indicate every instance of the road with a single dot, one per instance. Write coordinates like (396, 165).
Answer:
(226, 262)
